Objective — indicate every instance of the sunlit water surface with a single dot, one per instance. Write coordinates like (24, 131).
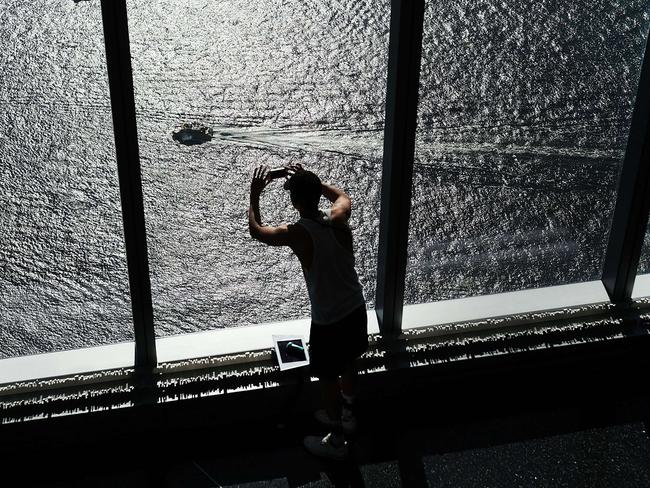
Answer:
(524, 110)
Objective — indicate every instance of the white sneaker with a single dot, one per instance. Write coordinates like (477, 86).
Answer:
(348, 421)
(324, 447)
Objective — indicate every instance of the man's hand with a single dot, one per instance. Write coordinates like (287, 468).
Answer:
(294, 167)
(260, 180)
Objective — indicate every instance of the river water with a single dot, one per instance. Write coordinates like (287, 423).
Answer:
(523, 116)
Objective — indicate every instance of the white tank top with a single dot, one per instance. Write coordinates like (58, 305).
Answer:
(332, 282)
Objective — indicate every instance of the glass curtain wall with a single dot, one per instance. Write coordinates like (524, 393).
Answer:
(63, 274)
(644, 262)
(267, 82)
(642, 282)
(522, 128)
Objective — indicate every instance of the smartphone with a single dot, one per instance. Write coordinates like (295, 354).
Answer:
(278, 173)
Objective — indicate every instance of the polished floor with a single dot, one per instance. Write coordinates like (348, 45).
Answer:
(579, 445)
(569, 416)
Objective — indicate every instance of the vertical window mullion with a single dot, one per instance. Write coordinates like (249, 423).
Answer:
(120, 76)
(405, 50)
(633, 200)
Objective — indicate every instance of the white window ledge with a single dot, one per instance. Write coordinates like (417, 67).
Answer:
(503, 304)
(641, 287)
(236, 340)
(196, 345)
(67, 363)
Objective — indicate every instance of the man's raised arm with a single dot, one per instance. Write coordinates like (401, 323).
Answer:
(273, 236)
(341, 203)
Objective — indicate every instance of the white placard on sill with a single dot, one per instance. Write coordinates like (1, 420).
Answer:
(291, 350)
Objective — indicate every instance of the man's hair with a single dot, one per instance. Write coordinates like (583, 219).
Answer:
(305, 188)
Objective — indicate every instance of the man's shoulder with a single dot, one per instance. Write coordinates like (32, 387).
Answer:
(299, 239)
(339, 220)
(297, 231)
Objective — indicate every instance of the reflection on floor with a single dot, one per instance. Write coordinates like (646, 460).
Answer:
(571, 415)
(572, 447)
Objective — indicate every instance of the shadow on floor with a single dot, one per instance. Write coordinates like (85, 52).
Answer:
(571, 447)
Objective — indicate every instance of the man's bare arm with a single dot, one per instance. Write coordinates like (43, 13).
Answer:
(341, 203)
(273, 236)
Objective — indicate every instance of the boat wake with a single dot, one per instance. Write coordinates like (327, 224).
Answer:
(368, 144)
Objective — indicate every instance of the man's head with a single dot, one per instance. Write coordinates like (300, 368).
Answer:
(306, 189)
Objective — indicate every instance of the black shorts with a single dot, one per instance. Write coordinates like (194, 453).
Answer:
(334, 347)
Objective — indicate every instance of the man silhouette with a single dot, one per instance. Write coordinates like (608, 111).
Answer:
(322, 241)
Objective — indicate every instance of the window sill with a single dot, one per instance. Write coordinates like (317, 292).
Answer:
(450, 316)
(641, 287)
(240, 344)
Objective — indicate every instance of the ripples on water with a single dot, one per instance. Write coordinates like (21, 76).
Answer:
(524, 114)
(523, 118)
(63, 280)
(279, 82)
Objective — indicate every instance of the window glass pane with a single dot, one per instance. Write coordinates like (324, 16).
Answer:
(644, 262)
(63, 277)
(642, 282)
(523, 119)
(276, 82)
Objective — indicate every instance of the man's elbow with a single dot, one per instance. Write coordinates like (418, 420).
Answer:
(261, 236)
(254, 232)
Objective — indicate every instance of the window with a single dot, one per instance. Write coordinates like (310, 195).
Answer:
(642, 281)
(63, 279)
(522, 127)
(276, 83)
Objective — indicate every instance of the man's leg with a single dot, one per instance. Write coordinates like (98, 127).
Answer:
(358, 333)
(330, 395)
(348, 392)
(349, 381)
(333, 444)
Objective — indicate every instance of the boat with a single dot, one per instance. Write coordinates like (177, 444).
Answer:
(191, 133)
